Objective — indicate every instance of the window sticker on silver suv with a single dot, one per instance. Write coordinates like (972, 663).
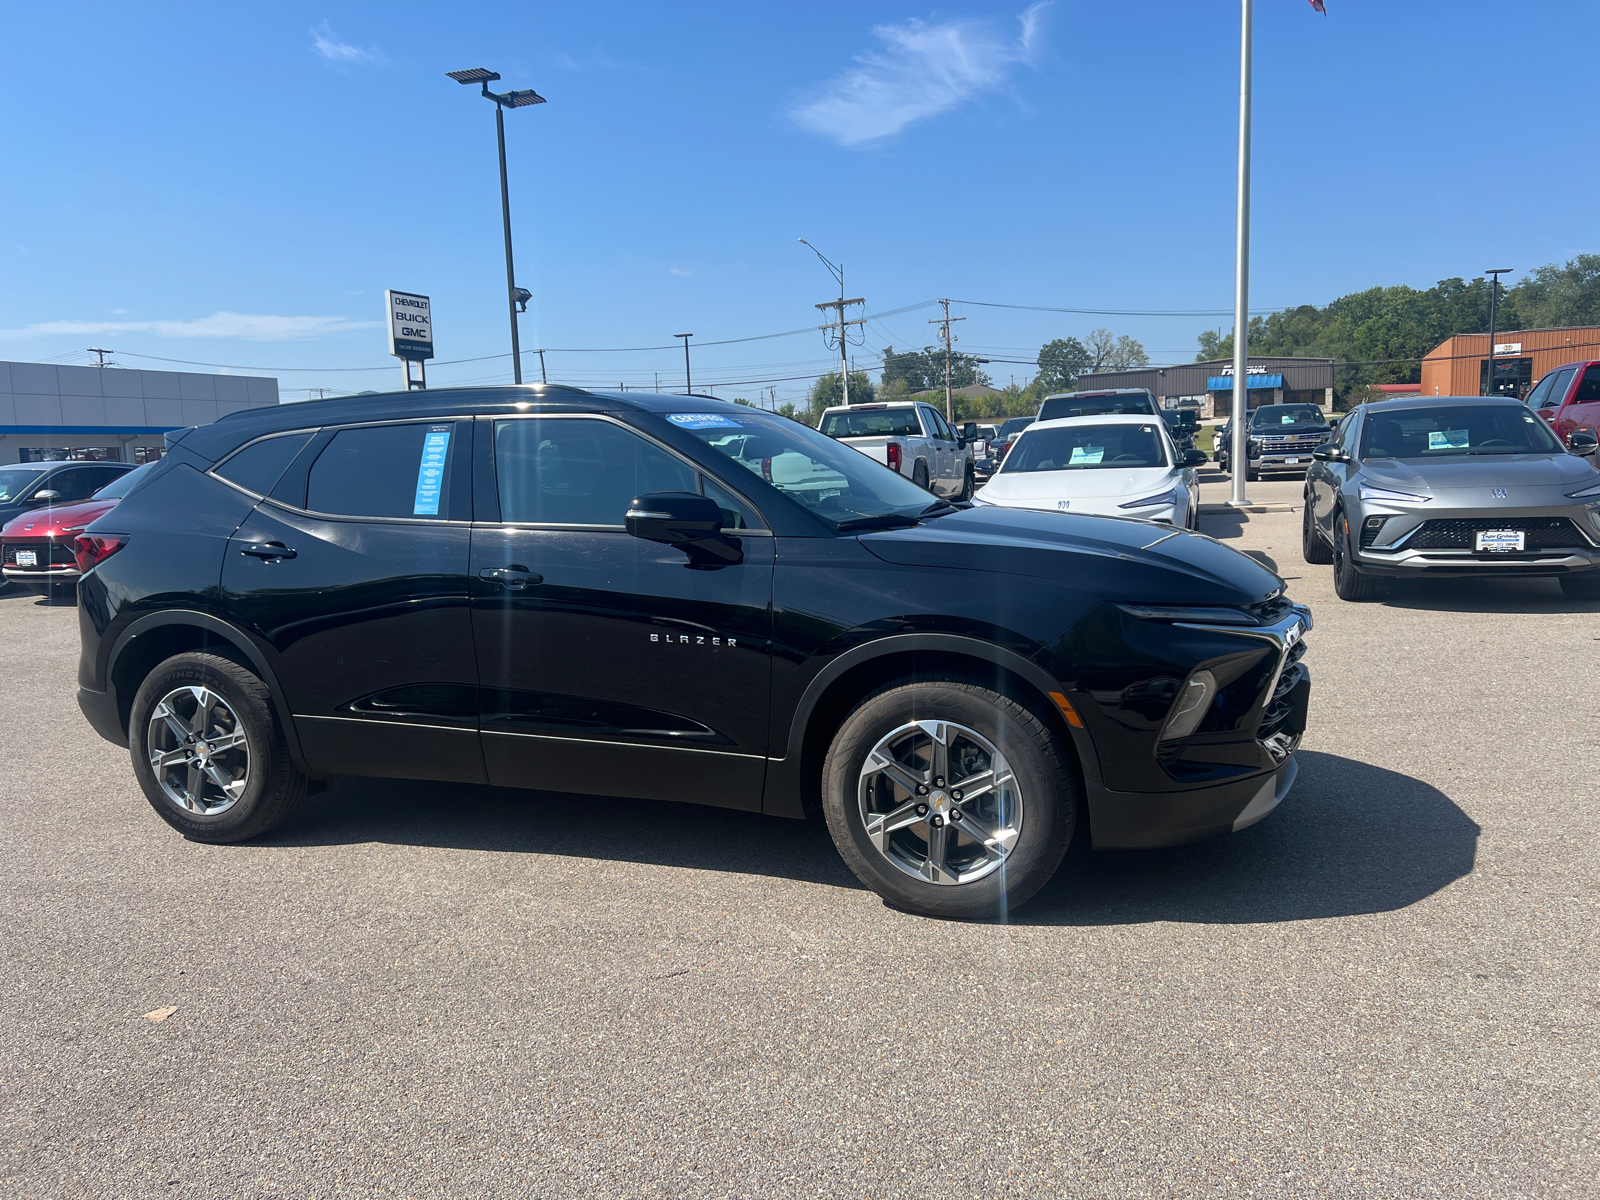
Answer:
(430, 472)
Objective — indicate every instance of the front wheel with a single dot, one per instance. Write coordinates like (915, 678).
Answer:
(949, 799)
(1348, 583)
(209, 752)
(1584, 586)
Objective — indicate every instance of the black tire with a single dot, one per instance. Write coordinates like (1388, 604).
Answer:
(272, 786)
(969, 485)
(1582, 586)
(919, 475)
(1314, 547)
(1044, 817)
(1252, 475)
(1348, 583)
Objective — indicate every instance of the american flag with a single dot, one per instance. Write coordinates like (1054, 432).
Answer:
(1317, 4)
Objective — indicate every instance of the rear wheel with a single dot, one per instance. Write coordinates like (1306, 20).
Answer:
(919, 475)
(949, 799)
(969, 484)
(209, 751)
(1584, 586)
(1348, 583)
(1312, 546)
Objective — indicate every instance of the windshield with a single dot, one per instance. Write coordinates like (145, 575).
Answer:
(1087, 448)
(1015, 425)
(1130, 404)
(837, 483)
(1456, 429)
(118, 487)
(14, 483)
(1287, 414)
(872, 422)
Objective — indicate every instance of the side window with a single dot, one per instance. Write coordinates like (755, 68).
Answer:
(258, 466)
(1347, 434)
(579, 471)
(1589, 389)
(1536, 398)
(736, 514)
(1558, 390)
(100, 476)
(386, 471)
(929, 421)
(76, 484)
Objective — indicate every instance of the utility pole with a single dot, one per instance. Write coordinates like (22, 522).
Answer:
(543, 378)
(841, 324)
(1494, 306)
(688, 381)
(1238, 460)
(944, 332)
(102, 355)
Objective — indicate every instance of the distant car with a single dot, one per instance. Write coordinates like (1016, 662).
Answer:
(1281, 436)
(1107, 403)
(982, 442)
(909, 437)
(1569, 398)
(1117, 466)
(1182, 423)
(27, 486)
(1005, 435)
(39, 549)
(1452, 486)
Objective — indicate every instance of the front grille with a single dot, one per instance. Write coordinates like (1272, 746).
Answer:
(50, 554)
(1288, 442)
(1542, 533)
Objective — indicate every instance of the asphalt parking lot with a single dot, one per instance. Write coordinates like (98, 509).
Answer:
(1390, 987)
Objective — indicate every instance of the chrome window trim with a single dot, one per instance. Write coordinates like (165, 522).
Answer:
(265, 437)
(494, 418)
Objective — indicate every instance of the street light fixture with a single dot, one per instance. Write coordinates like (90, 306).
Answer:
(517, 298)
(838, 273)
(688, 382)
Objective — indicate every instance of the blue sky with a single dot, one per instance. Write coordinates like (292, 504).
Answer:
(238, 184)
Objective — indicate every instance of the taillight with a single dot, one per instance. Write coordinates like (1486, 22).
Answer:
(894, 456)
(95, 548)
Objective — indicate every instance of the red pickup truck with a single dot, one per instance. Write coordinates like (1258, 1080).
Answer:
(1569, 398)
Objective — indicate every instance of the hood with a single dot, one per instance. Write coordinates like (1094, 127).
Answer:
(1566, 471)
(1107, 483)
(1117, 557)
(47, 521)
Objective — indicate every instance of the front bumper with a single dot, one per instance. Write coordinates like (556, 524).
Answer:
(1402, 547)
(101, 710)
(1143, 821)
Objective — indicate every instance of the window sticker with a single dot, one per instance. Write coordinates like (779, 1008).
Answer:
(1447, 439)
(704, 421)
(430, 472)
(1286, 419)
(1086, 455)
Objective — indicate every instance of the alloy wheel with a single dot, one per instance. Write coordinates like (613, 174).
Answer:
(198, 750)
(940, 802)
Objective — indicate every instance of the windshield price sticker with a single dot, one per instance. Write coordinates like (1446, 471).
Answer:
(1086, 456)
(1447, 439)
(430, 472)
(704, 421)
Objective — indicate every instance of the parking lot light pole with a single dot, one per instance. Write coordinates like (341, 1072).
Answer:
(1494, 311)
(688, 381)
(516, 298)
(1239, 460)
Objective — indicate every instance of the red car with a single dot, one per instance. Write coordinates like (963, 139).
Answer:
(1569, 398)
(40, 548)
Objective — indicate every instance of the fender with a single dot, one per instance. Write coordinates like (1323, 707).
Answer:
(231, 634)
(782, 795)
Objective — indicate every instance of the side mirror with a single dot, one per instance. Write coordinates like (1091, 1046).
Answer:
(46, 495)
(687, 520)
(1328, 452)
(1195, 458)
(1583, 441)
(970, 431)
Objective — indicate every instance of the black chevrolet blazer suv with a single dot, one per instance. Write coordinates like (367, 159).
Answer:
(673, 597)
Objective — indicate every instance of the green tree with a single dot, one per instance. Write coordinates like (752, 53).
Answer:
(1552, 297)
(1108, 352)
(922, 370)
(1213, 345)
(1059, 364)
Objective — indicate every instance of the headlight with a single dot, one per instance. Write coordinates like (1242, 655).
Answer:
(1167, 497)
(1586, 493)
(1387, 496)
(1193, 700)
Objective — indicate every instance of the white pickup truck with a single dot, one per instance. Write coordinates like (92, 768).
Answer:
(910, 437)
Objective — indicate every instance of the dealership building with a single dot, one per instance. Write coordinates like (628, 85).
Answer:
(1459, 366)
(54, 413)
(1210, 384)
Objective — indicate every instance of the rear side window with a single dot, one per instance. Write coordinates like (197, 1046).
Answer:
(1588, 390)
(402, 471)
(257, 467)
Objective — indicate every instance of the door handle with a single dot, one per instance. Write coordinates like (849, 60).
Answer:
(268, 551)
(515, 576)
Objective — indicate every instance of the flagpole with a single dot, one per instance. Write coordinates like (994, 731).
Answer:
(1238, 452)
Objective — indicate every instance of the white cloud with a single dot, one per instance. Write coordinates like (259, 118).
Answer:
(243, 326)
(333, 49)
(684, 271)
(925, 69)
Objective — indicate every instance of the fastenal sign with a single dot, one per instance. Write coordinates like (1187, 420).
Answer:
(410, 325)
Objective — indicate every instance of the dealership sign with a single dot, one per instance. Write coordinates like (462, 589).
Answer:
(410, 326)
(1508, 347)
